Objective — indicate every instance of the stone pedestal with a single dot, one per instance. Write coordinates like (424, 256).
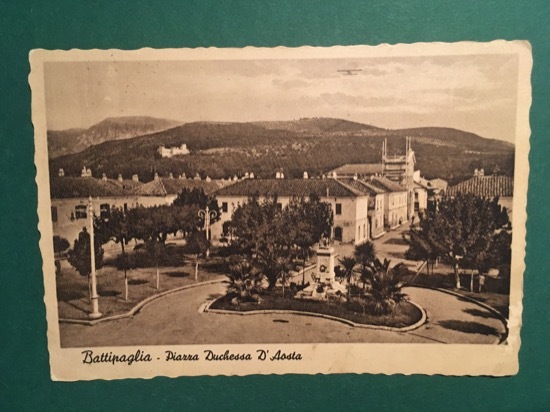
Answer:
(325, 264)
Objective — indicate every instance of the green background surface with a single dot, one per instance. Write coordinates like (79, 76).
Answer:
(25, 382)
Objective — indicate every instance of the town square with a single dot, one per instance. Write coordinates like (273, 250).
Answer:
(310, 210)
(177, 315)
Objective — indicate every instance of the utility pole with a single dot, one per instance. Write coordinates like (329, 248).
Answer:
(95, 304)
(207, 214)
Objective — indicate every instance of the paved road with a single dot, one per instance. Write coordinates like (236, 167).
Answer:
(175, 319)
(390, 245)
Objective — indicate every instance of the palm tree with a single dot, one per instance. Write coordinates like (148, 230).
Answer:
(364, 276)
(267, 261)
(245, 281)
(364, 253)
(348, 264)
(283, 266)
(386, 284)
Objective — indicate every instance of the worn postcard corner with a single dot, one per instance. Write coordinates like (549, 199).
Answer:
(352, 209)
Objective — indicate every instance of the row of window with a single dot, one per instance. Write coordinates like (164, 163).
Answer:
(401, 200)
(81, 211)
(225, 207)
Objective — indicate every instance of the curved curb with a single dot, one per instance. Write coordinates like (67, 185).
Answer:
(206, 308)
(139, 306)
(495, 312)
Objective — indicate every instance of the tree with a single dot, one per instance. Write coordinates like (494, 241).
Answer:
(198, 245)
(460, 231)
(306, 222)
(364, 253)
(153, 225)
(273, 234)
(257, 226)
(194, 200)
(283, 265)
(299, 231)
(420, 248)
(501, 257)
(245, 282)
(155, 222)
(155, 249)
(385, 285)
(501, 213)
(185, 219)
(266, 260)
(80, 256)
(116, 227)
(348, 266)
(60, 244)
(319, 216)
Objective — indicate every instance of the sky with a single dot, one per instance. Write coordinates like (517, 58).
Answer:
(475, 93)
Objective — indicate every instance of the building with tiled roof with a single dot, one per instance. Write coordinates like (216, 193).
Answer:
(420, 196)
(70, 196)
(289, 188)
(395, 201)
(485, 186)
(74, 187)
(386, 184)
(175, 186)
(350, 206)
(360, 170)
(488, 187)
(427, 192)
(376, 204)
(397, 168)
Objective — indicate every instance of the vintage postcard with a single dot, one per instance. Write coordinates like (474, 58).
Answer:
(305, 210)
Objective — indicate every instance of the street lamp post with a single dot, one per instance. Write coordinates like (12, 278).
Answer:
(207, 214)
(95, 304)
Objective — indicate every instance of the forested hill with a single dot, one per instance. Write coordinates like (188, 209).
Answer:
(113, 128)
(314, 145)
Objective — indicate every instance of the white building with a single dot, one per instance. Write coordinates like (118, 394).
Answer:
(173, 151)
(70, 196)
(349, 205)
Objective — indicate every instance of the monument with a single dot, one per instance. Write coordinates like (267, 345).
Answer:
(324, 278)
(325, 264)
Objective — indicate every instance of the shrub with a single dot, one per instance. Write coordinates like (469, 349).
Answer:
(385, 286)
(245, 282)
(60, 245)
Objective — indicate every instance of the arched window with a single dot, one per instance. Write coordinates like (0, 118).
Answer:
(338, 233)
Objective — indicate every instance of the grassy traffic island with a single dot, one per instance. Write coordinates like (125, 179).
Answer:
(357, 311)
(175, 271)
(380, 301)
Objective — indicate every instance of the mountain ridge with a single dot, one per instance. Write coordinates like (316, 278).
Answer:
(316, 145)
(63, 142)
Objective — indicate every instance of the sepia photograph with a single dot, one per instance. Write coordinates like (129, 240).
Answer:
(356, 209)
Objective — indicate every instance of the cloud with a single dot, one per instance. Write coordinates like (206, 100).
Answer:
(432, 88)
